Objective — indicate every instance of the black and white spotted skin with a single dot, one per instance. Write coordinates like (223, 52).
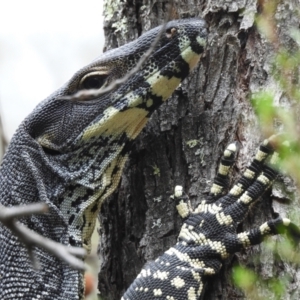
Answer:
(208, 235)
(69, 153)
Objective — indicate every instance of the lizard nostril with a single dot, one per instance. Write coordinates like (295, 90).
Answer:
(170, 32)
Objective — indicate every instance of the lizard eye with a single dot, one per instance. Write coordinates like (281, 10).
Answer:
(93, 81)
(171, 32)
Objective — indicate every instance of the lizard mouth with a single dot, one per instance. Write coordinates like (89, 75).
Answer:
(176, 55)
(133, 103)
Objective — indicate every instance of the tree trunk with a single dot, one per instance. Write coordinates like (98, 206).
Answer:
(185, 138)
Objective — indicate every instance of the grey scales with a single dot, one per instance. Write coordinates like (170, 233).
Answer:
(70, 151)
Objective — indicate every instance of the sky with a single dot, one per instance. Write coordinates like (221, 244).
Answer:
(42, 44)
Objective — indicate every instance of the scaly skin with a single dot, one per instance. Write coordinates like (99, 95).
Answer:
(208, 235)
(70, 153)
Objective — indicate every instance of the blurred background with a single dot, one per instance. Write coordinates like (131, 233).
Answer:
(42, 43)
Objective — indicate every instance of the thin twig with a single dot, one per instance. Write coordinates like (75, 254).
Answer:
(32, 239)
(16, 212)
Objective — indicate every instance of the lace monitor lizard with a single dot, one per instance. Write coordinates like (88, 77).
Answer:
(70, 151)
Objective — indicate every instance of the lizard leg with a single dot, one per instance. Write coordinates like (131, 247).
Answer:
(251, 173)
(183, 206)
(239, 209)
(256, 235)
(221, 181)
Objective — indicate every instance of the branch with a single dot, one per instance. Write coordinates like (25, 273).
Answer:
(32, 239)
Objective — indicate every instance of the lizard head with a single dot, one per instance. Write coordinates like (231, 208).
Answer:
(62, 122)
(84, 140)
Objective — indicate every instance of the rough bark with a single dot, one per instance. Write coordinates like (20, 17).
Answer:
(185, 138)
